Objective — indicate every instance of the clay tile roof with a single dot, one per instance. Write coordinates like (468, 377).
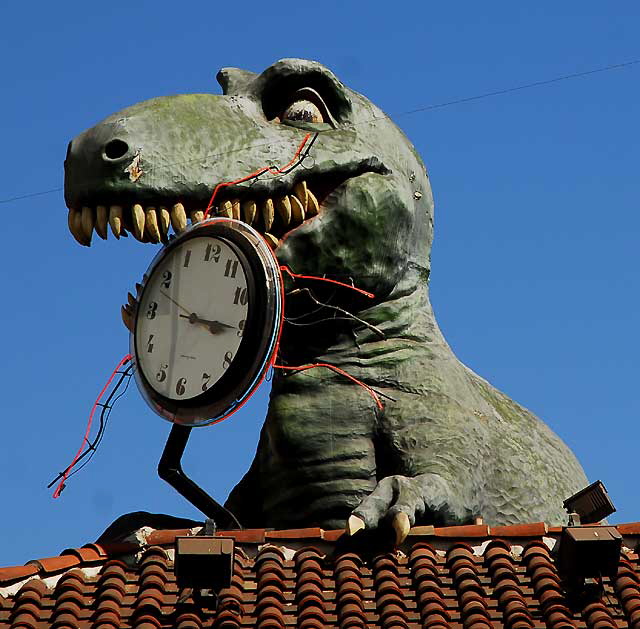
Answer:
(463, 577)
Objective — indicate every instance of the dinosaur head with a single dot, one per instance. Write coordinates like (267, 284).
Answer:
(358, 205)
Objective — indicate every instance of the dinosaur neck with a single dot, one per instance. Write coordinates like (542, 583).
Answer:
(405, 332)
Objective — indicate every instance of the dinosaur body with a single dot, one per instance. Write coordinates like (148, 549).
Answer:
(446, 447)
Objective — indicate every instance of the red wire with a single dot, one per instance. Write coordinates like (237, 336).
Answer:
(366, 387)
(61, 484)
(325, 279)
(271, 169)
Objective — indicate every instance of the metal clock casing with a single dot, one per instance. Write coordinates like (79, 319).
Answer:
(188, 324)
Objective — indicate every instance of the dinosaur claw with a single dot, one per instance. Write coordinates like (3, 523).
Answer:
(355, 524)
(402, 526)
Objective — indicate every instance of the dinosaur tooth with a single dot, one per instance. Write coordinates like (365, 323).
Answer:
(272, 241)
(80, 229)
(115, 220)
(75, 227)
(267, 213)
(313, 207)
(226, 209)
(151, 224)
(164, 220)
(137, 218)
(235, 209)
(302, 192)
(101, 221)
(178, 218)
(297, 210)
(249, 210)
(88, 221)
(284, 209)
(196, 216)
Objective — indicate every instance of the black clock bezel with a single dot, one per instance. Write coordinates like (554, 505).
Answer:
(261, 323)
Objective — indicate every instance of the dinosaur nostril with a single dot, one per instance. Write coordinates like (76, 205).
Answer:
(115, 149)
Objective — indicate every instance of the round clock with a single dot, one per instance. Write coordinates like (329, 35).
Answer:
(207, 323)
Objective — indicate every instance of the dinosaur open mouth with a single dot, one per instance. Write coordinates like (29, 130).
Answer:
(272, 216)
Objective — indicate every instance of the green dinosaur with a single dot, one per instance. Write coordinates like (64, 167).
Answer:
(447, 447)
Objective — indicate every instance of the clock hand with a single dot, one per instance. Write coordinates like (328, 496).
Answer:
(214, 326)
(175, 302)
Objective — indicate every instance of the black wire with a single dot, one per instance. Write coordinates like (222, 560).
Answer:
(450, 103)
(104, 418)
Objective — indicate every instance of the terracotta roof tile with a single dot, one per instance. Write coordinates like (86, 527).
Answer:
(56, 564)
(468, 577)
(16, 573)
(536, 529)
(314, 533)
(463, 532)
(248, 536)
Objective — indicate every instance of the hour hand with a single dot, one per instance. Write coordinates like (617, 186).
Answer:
(215, 327)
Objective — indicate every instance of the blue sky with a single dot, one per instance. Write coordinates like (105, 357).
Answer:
(535, 262)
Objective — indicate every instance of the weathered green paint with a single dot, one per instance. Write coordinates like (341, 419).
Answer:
(448, 447)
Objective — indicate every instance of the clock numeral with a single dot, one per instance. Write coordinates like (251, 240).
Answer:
(166, 279)
(180, 388)
(231, 268)
(187, 257)
(150, 344)
(151, 310)
(241, 297)
(212, 253)
(161, 376)
(206, 377)
(226, 363)
(241, 328)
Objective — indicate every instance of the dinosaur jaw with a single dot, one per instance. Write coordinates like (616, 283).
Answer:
(273, 216)
(274, 212)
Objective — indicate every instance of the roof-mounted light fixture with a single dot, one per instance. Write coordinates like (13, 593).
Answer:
(587, 550)
(591, 504)
(204, 563)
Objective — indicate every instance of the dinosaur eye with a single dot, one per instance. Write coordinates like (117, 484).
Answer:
(305, 106)
(303, 111)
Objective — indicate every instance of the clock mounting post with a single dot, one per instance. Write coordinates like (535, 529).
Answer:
(170, 470)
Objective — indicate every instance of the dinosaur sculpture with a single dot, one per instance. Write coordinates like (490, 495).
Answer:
(447, 447)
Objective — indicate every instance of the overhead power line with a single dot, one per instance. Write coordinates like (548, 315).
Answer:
(450, 103)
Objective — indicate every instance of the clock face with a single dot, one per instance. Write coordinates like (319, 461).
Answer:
(191, 317)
